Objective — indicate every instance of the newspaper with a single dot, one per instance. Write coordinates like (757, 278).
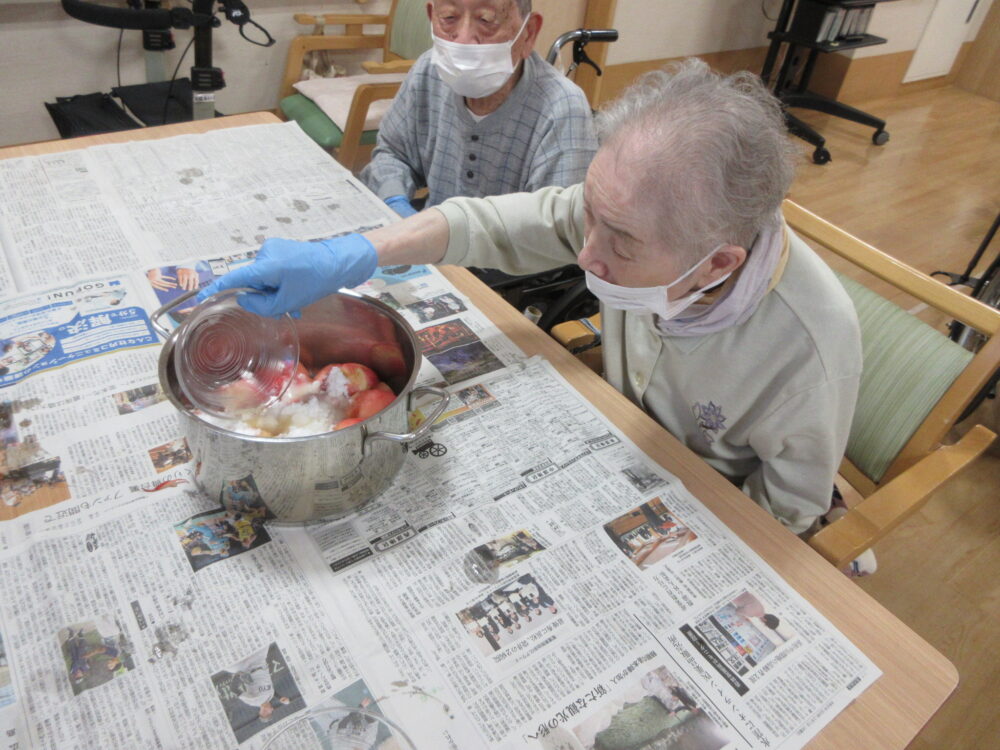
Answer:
(530, 580)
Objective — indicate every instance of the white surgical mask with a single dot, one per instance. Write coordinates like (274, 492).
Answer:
(474, 70)
(650, 298)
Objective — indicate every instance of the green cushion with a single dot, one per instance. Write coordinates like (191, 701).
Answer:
(908, 366)
(410, 35)
(316, 124)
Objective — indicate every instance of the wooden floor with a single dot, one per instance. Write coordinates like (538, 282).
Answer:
(928, 197)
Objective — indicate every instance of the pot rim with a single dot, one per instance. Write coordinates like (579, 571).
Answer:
(185, 411)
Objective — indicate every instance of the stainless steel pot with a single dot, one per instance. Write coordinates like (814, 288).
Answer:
(335, 473)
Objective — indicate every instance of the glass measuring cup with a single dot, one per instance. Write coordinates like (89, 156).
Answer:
(229, 360)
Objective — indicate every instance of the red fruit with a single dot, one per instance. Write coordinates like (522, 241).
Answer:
(359, 377)
(362, 378)
(366, 403)
(383, 387)
(347, 422)
(388, 359)
(322, 375)
(241, 394)
(272, 381)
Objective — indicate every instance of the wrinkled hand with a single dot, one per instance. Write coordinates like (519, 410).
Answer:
(401, 205)
(291, 275)
(159, 280)
(187, 278)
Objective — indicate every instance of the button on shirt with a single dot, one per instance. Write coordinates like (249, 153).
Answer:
(541, 135)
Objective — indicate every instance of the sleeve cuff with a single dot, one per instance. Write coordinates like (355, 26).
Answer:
(389, 188)
(458, 233)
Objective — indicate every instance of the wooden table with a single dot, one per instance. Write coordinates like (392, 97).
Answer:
(916, 678)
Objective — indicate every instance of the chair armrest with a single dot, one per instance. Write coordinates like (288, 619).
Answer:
(882, 511)
(365, 94)
(390, 66)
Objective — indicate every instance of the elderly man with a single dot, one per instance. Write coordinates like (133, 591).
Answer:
(481, 113)
(717, 320)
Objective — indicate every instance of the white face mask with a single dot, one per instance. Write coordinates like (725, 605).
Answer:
(474, 70)
(651, 298)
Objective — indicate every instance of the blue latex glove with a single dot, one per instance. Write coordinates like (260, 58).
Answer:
(400, 205)
(292, 275)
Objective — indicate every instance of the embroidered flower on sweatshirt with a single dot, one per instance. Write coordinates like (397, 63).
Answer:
(710, 419)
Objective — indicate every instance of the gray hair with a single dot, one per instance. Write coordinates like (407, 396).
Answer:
(523, 7)
(715, 155)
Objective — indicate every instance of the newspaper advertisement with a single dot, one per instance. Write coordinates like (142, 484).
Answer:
(529, 580)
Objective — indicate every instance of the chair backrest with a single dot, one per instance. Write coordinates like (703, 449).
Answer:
(410, 31)
(908, 367)
(915, 381)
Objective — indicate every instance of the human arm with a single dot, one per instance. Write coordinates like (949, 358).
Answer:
(395, 168)
(800, 446)
(290, 275)
(518, 233)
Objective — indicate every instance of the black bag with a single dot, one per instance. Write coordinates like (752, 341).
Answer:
(88, 114)
(145, 101)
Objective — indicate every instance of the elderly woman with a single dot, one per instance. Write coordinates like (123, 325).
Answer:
(717, 320)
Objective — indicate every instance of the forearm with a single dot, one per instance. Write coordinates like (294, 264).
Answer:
(388, 174)
(418, 240)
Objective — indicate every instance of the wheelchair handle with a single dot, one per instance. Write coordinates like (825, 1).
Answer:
(580, 37)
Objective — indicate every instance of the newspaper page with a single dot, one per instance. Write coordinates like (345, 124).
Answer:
(616, 611)
(58, 225)
(529, 580)
(142, 204)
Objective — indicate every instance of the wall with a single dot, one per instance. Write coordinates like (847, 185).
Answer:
(732, 34)
(44, 54)
(657, 29)
(978, 71)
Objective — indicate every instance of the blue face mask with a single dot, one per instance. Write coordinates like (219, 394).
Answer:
(652, 299)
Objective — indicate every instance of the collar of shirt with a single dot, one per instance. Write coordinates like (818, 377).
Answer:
(517, 97)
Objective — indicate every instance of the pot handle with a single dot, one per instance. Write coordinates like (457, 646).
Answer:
(423, 429)
(154, 319)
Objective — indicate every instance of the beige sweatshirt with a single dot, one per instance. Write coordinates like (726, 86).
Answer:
(768, 403)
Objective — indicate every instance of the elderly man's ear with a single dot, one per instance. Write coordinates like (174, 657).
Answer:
(530, 35)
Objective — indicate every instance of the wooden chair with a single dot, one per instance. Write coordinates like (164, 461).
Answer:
(915, 384)
(404, 37)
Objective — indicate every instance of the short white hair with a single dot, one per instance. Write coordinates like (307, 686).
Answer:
(716, 157)
(523, 7)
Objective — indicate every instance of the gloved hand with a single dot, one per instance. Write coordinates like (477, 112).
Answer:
(292, 275)
(400, 205)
